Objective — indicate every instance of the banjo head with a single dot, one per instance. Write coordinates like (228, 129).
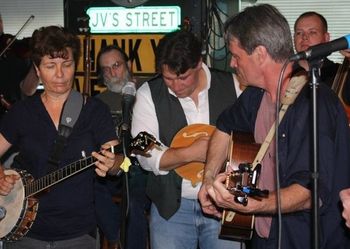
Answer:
(18, 209)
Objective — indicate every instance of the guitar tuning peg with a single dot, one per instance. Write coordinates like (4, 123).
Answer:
(242, 200)
(244, 167)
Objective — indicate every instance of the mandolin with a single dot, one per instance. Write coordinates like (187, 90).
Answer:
(192, 171)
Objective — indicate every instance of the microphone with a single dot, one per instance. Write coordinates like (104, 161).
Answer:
(322, 50)
(128, 99)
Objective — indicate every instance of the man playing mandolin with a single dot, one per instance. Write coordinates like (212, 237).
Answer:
(185, 92)
(260, 42)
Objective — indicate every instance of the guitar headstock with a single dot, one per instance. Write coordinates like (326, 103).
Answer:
(242, 183)
(143, 142)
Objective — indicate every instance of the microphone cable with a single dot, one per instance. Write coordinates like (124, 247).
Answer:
(278, 185)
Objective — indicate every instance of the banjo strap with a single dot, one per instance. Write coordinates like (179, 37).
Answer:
(69, 115)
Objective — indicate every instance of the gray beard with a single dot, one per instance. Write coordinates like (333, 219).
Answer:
(117, 88)
(115, 85)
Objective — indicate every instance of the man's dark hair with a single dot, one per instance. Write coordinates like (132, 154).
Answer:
(179, 50)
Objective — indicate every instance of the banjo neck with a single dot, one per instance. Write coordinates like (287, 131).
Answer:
(57, 176)
(139, 145)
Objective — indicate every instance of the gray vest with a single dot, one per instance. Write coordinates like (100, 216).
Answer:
(165, 190)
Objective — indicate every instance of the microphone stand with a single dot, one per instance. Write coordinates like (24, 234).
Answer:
(125, 139)
(128, 93)
(314, 66)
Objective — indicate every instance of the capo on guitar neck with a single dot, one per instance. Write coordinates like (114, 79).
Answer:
(242, 183)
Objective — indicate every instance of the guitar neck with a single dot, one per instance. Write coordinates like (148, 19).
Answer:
(61, 174)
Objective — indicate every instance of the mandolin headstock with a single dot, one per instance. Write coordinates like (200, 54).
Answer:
(143, 142)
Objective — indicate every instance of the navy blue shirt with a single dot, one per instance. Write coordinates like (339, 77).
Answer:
(295, 164)
(67, 210)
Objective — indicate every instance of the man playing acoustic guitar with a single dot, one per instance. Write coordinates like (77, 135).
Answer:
(260, 42)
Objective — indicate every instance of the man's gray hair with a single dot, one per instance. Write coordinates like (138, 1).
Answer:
(261, 25)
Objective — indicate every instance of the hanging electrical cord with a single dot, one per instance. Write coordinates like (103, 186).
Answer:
(278, 185)
(216, 47)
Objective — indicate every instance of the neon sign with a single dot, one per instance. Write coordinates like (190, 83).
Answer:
(144, 19)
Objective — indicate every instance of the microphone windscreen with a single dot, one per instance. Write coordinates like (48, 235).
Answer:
(129, 89)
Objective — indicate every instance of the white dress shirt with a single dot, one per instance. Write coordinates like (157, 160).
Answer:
(145, 119)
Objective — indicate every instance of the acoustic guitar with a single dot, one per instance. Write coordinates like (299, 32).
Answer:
(20, 206)
(242, 152)
(186, 136)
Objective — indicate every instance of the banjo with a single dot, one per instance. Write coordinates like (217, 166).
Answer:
(18, 209)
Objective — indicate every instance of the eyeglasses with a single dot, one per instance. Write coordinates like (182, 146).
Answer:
(115, 66)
